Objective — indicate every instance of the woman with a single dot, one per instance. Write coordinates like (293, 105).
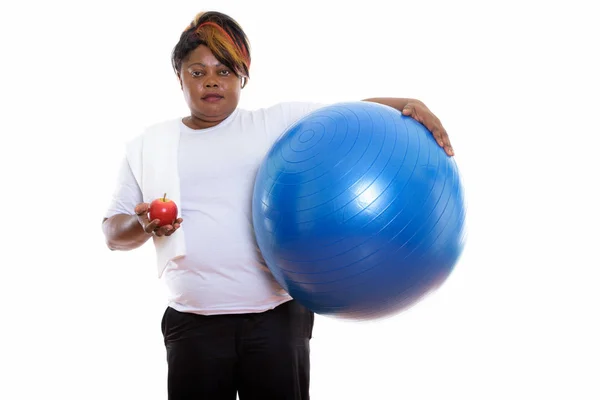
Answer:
(229, 327)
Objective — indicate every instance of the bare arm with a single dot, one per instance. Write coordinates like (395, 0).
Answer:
(124, 232)
(394, 102)
(419, 111)
(128, 232)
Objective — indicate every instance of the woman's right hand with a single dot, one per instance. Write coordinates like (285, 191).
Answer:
(151, 227)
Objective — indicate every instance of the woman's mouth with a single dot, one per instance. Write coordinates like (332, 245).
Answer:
(212, 97)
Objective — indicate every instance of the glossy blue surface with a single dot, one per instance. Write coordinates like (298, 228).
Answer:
(358, 212)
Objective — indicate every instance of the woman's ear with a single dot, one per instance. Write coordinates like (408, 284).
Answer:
(180, 82)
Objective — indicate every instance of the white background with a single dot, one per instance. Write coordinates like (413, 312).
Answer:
(516, 85)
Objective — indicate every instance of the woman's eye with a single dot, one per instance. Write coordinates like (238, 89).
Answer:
(224, 72)
(196, 74)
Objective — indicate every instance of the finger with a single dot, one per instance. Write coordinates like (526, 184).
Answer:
(151, 227)
(164, 230)
(177, 223)
(444, 135)
(176, 226)
(141, 209)
(438, 135)
(410, 111)
(446, 142)
(447, 145)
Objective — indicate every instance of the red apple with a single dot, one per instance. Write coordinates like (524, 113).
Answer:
(163, 209)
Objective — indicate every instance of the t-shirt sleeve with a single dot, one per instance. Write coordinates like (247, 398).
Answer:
(283, 115)
(127, 193)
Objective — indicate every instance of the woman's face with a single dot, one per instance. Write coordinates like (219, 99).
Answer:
(211, 90)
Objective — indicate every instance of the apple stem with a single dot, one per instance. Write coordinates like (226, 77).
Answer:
(165, 197)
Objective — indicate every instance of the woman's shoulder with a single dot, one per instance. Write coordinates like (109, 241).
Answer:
(283, 110)
(154, 129)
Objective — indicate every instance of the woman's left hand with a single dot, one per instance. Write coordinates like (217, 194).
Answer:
(419, 111)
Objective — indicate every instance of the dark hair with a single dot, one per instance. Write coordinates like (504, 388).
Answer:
(222, 35)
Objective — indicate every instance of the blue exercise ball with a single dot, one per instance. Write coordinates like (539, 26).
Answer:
(358, 212)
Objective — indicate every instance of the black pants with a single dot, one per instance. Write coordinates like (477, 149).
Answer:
(260, 356)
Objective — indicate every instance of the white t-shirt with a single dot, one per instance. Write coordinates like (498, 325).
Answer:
(223, 271)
